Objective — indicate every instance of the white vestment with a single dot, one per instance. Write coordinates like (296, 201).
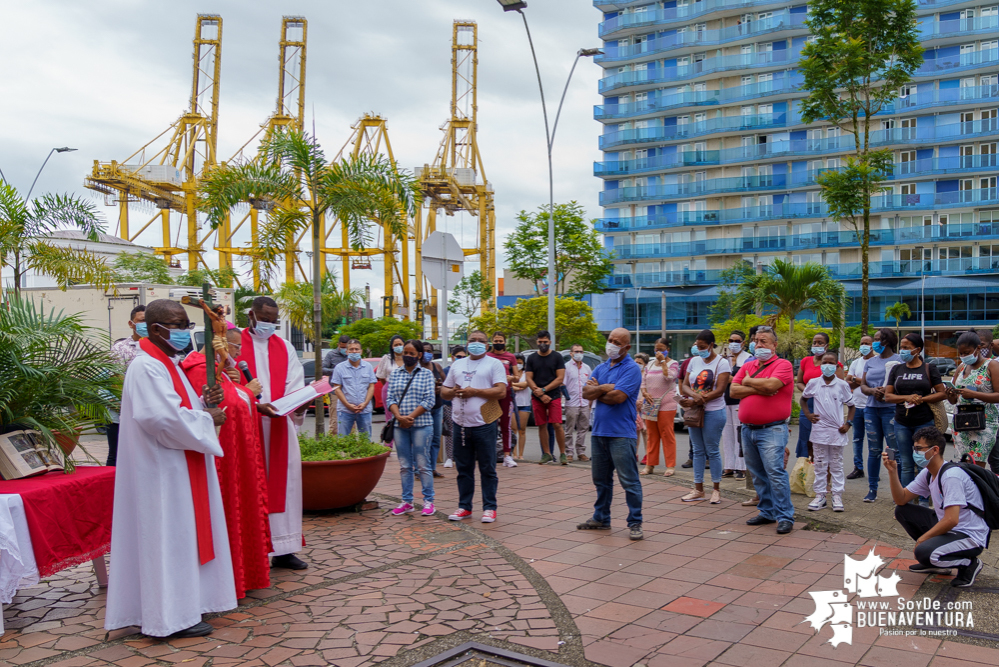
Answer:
(156, 581)
(286, 528)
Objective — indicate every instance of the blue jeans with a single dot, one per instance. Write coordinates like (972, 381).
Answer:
(764, 452)
(473, 445)
(804, 432)
(858, 439)
(880, 426)
(608, 455)
(435, 440)
(412, 446)
(903, 440)
(707, 444)
(346, 420)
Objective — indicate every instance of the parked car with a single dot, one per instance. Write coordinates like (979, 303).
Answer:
(945, 365)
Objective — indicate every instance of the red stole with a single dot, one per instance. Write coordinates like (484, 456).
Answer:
(277, 471)
(197, 469)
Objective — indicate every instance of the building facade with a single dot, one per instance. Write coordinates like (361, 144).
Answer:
(707, 163)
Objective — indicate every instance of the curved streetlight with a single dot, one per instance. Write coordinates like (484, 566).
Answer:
(517, 6)
(64, 149)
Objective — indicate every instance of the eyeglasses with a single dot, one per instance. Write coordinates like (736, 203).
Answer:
(734, 340)
(764, 328)
(178, 326)
(922, 449)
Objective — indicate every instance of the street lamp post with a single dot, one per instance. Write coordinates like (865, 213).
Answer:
(64, 149)
(518, 6)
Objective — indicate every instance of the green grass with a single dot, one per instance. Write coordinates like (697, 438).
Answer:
(339, 447)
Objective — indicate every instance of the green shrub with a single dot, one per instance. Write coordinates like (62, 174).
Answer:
(339, 447)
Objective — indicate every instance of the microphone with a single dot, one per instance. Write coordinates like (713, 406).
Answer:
(245, 370)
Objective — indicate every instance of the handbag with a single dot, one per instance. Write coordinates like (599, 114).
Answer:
(969, 417)
(388, 431)
(693, 417)
(939, 416)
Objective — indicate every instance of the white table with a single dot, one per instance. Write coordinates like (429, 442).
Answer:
(17, 558)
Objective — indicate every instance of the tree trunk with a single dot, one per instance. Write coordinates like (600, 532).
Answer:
(865, 268)
(317, 316)
(17, 274)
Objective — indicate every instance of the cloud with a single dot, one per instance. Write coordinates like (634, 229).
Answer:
(107, 76)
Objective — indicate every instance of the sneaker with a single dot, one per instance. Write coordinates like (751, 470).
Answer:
(688, 464)
(919, 568)
(966, 575)
(428, 509)
(449, 463)
(838, 503)
(488, 516)
(404, 508)
(569, 457)
(459, 515)
(871, 496)
(582, 457)
(562, 460)
(740, 474)
(856, 474)
(635, 532)
(818, 503)
(508, 462)
(592, 524)
(546, 458)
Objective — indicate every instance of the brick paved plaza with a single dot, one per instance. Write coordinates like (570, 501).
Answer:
(702, 588)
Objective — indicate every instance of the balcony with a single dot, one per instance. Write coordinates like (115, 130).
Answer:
(915, 268)
(644, 135)
(943, 97)
(929, 201)
(929, 28)
(959, 62)
(666, 75)
(783, 211)
(782, 20)
(675, 278)
(693, 188)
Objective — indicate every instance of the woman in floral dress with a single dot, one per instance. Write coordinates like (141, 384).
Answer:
(976, 381)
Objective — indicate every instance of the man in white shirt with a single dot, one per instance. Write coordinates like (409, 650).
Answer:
(853, 378)
(471, 383)
(577, 411)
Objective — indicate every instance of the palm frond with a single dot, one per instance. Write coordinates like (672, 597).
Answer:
(296, 151)
(51, 212)
(229, 185)
(69, 266)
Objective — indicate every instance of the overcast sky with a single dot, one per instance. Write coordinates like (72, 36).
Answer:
(107, 76)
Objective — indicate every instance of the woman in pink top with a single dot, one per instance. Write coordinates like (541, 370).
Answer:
(659, 408)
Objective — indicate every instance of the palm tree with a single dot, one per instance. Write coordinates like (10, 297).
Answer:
(787, 290)
(295, 300)
(24, 227)
(293, 177)
(898, 311)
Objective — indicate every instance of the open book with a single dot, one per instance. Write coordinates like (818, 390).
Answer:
(23, 454)
(307, 394)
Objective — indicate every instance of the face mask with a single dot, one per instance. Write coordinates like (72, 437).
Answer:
(354, 356)
(520, 367)
(397, 349)
(613, 351)
(343, 350)
(499, 347)
(142, 330)
(878, 347)
(578, 356)
(264, 329)
(764, 353)
(816, 350)
(752, 348)
(543, 347)
(735, 348)
(428, 357)
(179, 338)
(920, 459)
(409, 361)
(697, 352)
(865, 350)
(986, 354)
(828, 370)
(970, 359)
(906, 355)
(476, 348)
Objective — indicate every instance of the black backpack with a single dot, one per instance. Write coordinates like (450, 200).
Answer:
(988, 486)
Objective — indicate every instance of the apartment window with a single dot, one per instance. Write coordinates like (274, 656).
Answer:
(907, 162)
(907, 90)
(989, 83)
(747, 80)
(914, 260)
(646, 239)
(814, 139)
(988, 155)
(766, 82)
(989, 45)
(766, 109)
(888, 124)
(700, 117)
(909, 196)
(967, 157)
(966, 186)
(965, 15)
(747, 110)
(988, 257)
(990, 120)
(813, 202)
(908, 128)
(988, 187)
(955, 258)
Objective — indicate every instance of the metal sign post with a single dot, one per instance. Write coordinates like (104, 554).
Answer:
(443, 265)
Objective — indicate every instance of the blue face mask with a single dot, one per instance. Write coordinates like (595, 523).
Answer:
(752, 348)
(696, 352)
(878, 347)
(354, 356)
(142, 329)
(179, 338)
(905, 355)
(919, 459)
(817, 350)
(428, 357)
(828, 370)
(476, 348)
(865, 350)
(264, 329)
(397, 349)
(970, 359)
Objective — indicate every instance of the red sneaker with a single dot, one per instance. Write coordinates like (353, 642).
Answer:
(459, 515)
(488, 516)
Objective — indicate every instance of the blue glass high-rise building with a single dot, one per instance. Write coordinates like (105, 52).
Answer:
(707, 163)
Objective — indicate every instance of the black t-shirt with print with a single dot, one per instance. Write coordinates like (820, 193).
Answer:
(907, 381)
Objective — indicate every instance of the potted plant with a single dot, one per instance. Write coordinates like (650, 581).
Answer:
(339, 470)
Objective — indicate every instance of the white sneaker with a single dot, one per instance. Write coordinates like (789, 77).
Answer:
(837, 503)
(509, 462)
(448, 464)
(818, 503)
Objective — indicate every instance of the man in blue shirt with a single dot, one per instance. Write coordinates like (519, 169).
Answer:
(354, 383)
(614, 385)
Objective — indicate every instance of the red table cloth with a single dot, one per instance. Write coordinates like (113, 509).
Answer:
(69, 516)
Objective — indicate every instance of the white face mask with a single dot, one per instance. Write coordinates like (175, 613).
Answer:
(735, 348)
(577, 356)
(764, 353)
(613, 351)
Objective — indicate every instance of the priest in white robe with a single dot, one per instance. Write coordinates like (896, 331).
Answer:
(170, 560)
(275, 363)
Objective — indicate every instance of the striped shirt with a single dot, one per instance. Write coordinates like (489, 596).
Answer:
(421, 392)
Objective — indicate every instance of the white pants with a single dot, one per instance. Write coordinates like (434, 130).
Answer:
(828, 458)
(577, 425)
(730, 440)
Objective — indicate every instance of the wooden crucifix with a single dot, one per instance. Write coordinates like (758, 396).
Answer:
(215, 328)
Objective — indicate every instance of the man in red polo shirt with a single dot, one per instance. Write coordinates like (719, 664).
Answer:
(765, 386)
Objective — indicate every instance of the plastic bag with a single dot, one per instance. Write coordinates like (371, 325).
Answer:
(802, 477)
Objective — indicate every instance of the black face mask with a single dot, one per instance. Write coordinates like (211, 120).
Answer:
(499, 347)
(409, 361)
(543, 347)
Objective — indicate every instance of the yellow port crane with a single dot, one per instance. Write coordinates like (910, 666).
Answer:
(456, 180)
(168, 177)
(290, 113)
